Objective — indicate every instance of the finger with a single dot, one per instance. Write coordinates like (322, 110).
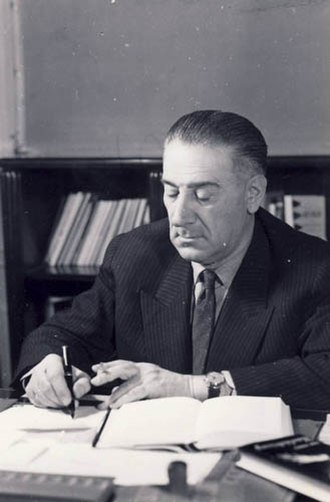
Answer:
(109, 365)
(125, 387)
(104, 405)
(39, 399)
(124, 371)
(81, 386)
(47, 395)
(37, 402)
(55, 374)
(135, 393)
(40, 392)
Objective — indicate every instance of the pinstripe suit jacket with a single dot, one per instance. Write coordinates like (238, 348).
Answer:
(273, 333)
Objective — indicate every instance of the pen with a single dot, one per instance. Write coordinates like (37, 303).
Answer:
(100, 430)
(68, 376)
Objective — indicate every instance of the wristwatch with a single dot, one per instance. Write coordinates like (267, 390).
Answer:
(214, 381)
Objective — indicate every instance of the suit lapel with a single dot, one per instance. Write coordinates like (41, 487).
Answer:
(245, 314)
(166, 317)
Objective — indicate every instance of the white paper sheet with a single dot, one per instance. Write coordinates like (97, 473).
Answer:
(127, 467)
(24, 417)
(324, 435)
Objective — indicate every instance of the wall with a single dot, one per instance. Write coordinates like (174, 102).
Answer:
(10, 135)
(108, 77)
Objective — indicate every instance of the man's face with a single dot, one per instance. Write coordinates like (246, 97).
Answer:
(208, 202)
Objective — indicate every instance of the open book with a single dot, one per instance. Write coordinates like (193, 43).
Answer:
(218, 423)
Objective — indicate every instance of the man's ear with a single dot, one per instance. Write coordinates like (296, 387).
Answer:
(256, 190)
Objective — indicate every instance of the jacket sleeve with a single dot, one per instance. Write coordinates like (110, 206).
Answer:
(303, 381)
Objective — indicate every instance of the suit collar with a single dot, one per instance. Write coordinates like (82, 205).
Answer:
(166, 318)
(246, 313)
(176, 283)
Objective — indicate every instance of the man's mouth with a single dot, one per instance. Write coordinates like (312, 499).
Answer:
(185, 236)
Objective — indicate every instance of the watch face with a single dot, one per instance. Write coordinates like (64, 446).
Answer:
(215, 379)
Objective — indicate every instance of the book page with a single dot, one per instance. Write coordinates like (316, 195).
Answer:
(27, 416)
(324, 434)
(155, 421)
(230, 422)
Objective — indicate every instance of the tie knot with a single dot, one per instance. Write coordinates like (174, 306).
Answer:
(208, 277)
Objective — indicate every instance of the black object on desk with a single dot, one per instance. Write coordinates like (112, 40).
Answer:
(68, 377)
(24, 486)
(177, 473)
(100, 430)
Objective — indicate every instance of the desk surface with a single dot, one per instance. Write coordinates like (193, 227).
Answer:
(226, 482)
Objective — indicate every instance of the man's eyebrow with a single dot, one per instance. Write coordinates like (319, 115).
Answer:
(192, 185)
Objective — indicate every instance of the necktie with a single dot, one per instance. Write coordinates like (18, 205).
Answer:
(203, 321)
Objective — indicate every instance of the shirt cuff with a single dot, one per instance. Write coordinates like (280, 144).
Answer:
(25, 378)
(230, 382)
(198, 388)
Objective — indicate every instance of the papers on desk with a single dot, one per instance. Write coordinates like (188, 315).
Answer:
(127, 467)
(324, 435)
(27, 417)
(39, 440)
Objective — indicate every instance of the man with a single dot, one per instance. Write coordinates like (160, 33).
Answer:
(221, 298)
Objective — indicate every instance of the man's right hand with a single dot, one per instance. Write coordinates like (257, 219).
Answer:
(47, 387)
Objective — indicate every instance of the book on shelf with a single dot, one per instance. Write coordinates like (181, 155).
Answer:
(86, 225)
(218, 423)
(302, 212)
(274, 203)
(295, 462)
(63, 227)
(86, 246)
(74, 235)
(306, 213)
(102, 211)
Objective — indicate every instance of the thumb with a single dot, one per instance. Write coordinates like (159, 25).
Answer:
(81, 384)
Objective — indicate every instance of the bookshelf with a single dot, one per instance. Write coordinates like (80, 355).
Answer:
(32, 193)
(33, 190)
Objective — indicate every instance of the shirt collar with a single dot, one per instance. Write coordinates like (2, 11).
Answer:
(225, 272)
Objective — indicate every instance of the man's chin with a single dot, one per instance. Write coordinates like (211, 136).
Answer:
(189, 253)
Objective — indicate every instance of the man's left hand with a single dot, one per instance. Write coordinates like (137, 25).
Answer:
(142, 380)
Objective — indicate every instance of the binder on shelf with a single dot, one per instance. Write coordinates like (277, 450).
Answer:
(86, 226)
(274, 203)
(306, 213)
(60, 235)
(105, 237)
(110, 209)
(76, 231)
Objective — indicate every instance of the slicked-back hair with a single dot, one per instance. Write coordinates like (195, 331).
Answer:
(217, 128)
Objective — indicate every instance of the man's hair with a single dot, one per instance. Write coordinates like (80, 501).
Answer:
(217, 128)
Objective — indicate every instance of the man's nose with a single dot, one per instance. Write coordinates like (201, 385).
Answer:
(182, 213)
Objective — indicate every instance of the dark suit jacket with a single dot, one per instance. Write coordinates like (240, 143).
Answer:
(273, 333)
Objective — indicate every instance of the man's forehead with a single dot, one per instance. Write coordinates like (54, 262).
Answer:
(187, 159)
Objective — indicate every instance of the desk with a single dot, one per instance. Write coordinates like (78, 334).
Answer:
(226, 483)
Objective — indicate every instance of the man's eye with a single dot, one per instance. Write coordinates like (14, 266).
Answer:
(171, 193)
(203, 196)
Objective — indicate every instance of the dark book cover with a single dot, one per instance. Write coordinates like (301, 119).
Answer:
(297, 462)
